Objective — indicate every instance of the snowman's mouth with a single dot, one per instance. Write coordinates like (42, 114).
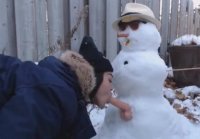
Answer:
(124, 39)
(127, 42)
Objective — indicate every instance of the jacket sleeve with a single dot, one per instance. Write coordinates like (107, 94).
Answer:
(37, 113)
(8, 65)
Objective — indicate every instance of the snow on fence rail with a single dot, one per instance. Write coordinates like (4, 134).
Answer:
(33, 29)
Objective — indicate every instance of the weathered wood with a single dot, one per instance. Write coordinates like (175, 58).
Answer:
(156, 8)
(198, 29)
(174, 20)
(97, 22)
(197, 22)
(141, 1)
(123, 3)
(149, 3)
(55, 26)
(44, 27)
(41, 29)
(67, 31)
(77, 22)
(198, 25)
(26, 30)
(3, 27)
(190, 29)
(113, 12)
(7, 28)
(164, 28)
(183, 18)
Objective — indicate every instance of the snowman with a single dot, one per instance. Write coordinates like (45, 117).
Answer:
(138, 78)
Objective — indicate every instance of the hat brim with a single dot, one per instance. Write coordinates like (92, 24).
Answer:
(132, 17)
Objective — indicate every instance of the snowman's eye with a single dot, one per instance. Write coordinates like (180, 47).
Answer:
(122, 26)
(125, 62)
(133, 24)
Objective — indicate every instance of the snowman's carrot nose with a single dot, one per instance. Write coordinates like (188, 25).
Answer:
(122, 35)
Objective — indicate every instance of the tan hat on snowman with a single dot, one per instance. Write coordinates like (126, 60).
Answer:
(136, 11)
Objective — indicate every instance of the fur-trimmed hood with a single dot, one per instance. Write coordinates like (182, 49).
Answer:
(84, 71)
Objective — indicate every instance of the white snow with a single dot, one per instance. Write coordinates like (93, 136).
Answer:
(187, 39)
(169, 93)
(139, 75)
(190, 90)
(97, 116)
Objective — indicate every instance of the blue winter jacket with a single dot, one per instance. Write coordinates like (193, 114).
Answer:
(41, 101)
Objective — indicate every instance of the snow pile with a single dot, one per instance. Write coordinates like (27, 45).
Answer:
(185, 40)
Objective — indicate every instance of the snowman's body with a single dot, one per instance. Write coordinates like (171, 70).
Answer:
(139, 74)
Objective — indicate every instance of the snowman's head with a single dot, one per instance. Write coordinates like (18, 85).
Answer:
(137, 28)
(139, 36)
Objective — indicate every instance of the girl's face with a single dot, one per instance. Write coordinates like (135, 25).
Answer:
(103, 94)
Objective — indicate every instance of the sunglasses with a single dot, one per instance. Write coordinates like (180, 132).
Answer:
(133, 24)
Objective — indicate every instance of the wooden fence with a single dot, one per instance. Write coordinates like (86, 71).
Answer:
(33, 29)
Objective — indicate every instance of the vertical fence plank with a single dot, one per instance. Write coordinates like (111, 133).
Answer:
(149, 3)
(12, 46)
(182, 18)
(164, 28)
(77, 19)
(7, 28)
(55, 26)
(26, 29)
(196, 23)
(153, 4)
(190, 28)
(174, 20)
(156, 8)
(198, 29)
(97, 17)
(141, 1)
(67, 33)
(113, 12)
(123, 3)
(3, 27)
(41, 29)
